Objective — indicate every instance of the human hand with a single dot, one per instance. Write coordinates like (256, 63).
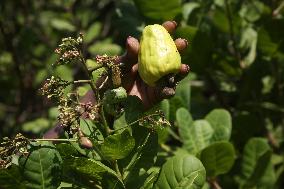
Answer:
(136, 86)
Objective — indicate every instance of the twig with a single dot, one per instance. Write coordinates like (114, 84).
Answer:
(93, 86)
(214, 184)
(82, 81)
(278, 9)
(103, 83)
(54, 139)
(134, 122)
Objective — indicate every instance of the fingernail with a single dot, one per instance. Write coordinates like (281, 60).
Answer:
(184, 69)
(174, 22)
(186, 42)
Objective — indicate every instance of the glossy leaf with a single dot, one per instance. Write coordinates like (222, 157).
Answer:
(221, 122)
(188, 8)
(85, 172)
(36, 126)
(184, 121)
(142, 157)
(197, 137)
(248, 43)
(93, 32)
(183, 91)
(132, 113)
(185, 172)
(61, 24)
(256, 159)
(218, 158)
(42, 167)
(117, 146)
(11, 178)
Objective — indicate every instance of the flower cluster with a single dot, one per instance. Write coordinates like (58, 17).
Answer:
(10, 147)
(155, 120)
(106, 60)
(70, 113)
(68, 50)
(111, 62)
(89, 110)
(53, 88)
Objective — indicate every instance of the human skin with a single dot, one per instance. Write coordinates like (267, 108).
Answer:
(131, 81)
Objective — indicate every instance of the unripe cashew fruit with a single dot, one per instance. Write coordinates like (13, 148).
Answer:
(158, 55)
(112, 101)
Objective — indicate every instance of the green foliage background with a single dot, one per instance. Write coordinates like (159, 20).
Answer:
(236, 55)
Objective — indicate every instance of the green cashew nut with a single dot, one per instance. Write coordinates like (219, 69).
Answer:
(113, 99)
(158, 55)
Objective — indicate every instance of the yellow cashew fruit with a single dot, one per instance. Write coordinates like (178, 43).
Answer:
(158, 55)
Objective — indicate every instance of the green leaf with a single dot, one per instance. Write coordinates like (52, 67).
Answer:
(153, 175)
(165, 107)
(61, 24)
(132, 113)
(183, 91)
(267, 83)
(251, 11)
(163, 134)
(218, 158)
(160, 10)
(118, 146)
(93, 32)
(142, 157)
(104, 47)
(36, 126)
(111, 182)
(175, 103)
(11, 178)
(82, 90)
(199, 53)
(197, 136)
(220, 20)
(91, 131)
(188, 8)
(184, 121)
(185, 172)
(268, 179)
(64, 72)
(146, 148)
(266, 44)
(42, 167)
(66, 150)
(84, 171)
(221, 122)
(256, 159)
(248, 43)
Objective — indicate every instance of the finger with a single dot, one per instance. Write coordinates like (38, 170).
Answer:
(130, 77)
(181, 44)
(170, 26)
(167, 92)
(157, 94)
(184, 70)
(130, 57)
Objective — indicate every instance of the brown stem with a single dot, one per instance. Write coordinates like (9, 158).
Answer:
(214, 183)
